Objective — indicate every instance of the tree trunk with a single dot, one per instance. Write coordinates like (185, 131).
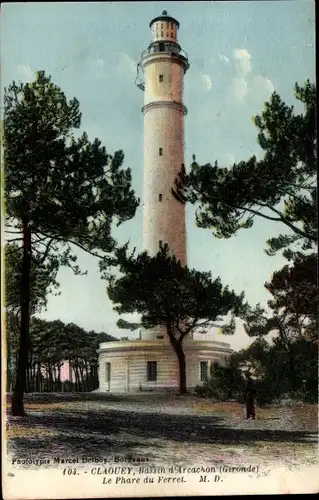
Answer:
(81, 377)
(17, 406)
(182, 369)
(54, 379)
(9, 363)
(59, 378)
(38, 378)
(32, 376)
(76, 377)
(87, 379)
(29, 374)
(50, 389)
(178, 348)
(9, 375)
(291, 366)
(70, 371)
(177, 345)
(27, 381)
(292, 370)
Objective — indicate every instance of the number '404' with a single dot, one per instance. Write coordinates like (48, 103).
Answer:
(69, 472)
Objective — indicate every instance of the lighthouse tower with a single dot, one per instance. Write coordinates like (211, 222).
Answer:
(149, 363)
(163, 66)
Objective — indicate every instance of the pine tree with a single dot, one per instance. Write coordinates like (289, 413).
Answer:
(61, 190)
(280, 187)
(168, 294)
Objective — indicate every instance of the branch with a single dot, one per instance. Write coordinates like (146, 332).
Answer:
(205, 323)
(46, 252)
(171, 335)
(283, 191)
(289, 224)
(183, 333)
(40, 240)
(13, 227)
(280, 219)
(255, 212)
(14, 239)
(232, 205)
(74, 243)
(85, 249)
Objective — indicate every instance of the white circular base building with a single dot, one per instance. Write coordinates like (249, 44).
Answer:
(152, 365)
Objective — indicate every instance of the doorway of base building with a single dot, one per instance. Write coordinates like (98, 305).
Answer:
(108, 376)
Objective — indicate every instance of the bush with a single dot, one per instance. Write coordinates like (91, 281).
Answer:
(201, 390)
(292, 372)
(224, 383)
(267, 391)
(311, 397)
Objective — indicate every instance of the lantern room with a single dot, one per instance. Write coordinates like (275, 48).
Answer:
(164, 28)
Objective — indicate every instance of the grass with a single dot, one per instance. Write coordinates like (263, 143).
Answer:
(43, 406)
(19, 431)
(166, 429)
(161, 427)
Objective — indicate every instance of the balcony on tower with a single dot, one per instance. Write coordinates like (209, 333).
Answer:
(166, 47)
(164, 36)
(139, 80)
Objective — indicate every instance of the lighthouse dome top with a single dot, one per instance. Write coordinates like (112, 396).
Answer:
(164, 17)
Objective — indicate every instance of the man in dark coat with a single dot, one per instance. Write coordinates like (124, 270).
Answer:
(250, 393)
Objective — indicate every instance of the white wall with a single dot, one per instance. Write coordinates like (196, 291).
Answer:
(129, 372)
(171, 88)
(129, 367)
(163, 220)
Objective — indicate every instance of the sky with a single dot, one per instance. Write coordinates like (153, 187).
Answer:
(239, 53)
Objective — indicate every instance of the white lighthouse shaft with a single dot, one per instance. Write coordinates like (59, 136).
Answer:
(164, 67)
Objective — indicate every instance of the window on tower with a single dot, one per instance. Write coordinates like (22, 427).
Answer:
(160, 243)
(203, 371)
(160, 197)
(160, 151)
(151, 371)
(107, 372)
(161, 78)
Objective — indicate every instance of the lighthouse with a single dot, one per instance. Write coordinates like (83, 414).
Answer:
(161, 73)
(148, 363)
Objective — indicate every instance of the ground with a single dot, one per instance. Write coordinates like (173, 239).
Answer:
(165, 429)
